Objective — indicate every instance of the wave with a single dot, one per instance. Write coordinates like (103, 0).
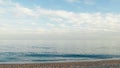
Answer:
(73, 55)
(42, 57)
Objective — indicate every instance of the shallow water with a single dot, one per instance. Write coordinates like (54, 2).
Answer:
(57, 50)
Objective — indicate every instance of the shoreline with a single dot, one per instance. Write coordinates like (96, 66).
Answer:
(82, 64)
(90, 60)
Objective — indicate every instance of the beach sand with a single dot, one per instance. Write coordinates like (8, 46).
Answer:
(82, 64)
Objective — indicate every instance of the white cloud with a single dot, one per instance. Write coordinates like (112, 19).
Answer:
(56, 19)
(1, 2)
(50, 25)
(20, 10)
(60, 20)
(2, 11)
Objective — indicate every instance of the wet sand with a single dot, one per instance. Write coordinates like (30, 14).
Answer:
(85, 64)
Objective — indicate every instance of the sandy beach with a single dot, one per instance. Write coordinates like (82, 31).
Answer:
(85, 64)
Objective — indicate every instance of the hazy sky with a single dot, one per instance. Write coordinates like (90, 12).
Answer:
(59, 18)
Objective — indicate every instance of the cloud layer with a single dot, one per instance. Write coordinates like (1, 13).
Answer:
(17, 18)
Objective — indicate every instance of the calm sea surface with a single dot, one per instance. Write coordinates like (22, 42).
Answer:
(31, 51)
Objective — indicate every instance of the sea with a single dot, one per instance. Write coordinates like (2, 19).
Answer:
(47, 51)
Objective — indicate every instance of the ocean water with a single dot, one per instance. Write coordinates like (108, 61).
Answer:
(38, 51)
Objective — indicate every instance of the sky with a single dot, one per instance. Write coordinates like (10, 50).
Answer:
(59, 18)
